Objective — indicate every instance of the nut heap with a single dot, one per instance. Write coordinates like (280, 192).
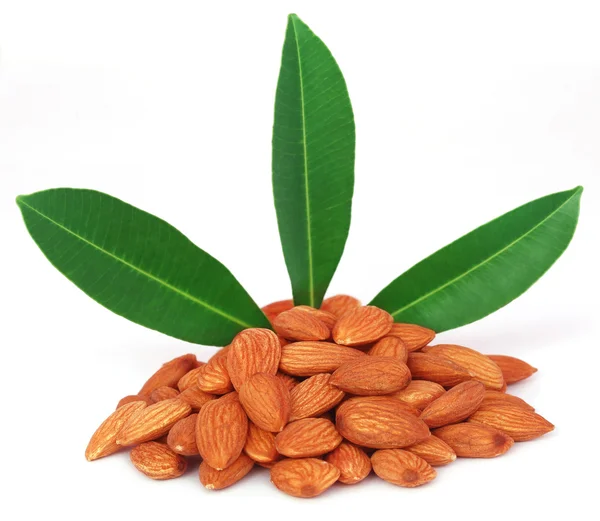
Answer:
(334, 393)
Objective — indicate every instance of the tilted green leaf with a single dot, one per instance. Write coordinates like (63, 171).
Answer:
(485, 269)
(313, 162)
(138, 266)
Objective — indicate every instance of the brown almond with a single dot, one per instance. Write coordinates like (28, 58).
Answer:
(157, 461)
(390, 346)
(415, 337)
(300, 324)
(424, 366)
(289, 381)
(492, 398)
(213, 378)
(190, 379)
(252, 351)
(169, 374)
(434, 451)
(472, 440)
(266, 400)
(313, 397)
(182, 436)
(402, 468)
(306, 477)
(307, 438)
(455, 405)
(329, 319)
(352, 462)
(195, 397)
(310, 358)
(260, 445)
(419, 393)
(275, 308)
(513, 369)
(134, 398)
(339, 305)
(517, 422)
(221, 431)
(373, 375)
(362, 325)
(214, 479)
(163, 393)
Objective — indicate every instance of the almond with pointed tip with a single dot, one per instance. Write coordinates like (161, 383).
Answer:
(415, 337)
(157, 461)
(163, 393)
(374, 375)
(195, 397)
(472, 440)
(190, 379)
(339, 305)
(390, 346)
(517, 422)
(492, 398)
(213, 378)
(362, 325)
(134, 398)
(260, 445)
(419, 393)
(424, 366)
(214, 479)
(311, 358)
(266, 400)
(329, 319)
(402, 468)
(182, 436)
(275, 308)
(307, 438)
(455, 405)
(169, 374)
(513, 369)
(300, 324)
(289, 381)
(352, 462)
(434, 451)
(388, 401)
(307, 477)
(313, 397)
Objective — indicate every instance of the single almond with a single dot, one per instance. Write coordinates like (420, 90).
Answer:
(266, 400)
(480, 366)
(434, 451)
(169, 374)
(389, 401)
(455, 405)
(182, 436)
(134, 398)
(310, 358)
(307, 438)
(163, 393)
(260, 445)
(352, 462)
(289, 381)
(515, 421)
(419, 393)
(313, 397)
(415, 337)
(424, 366)
(275, 308)
(513, 369)
(402, 468)
(195, 397)
(373, 375)
(329, 319)
(214, 479)
(190, 379)
(472, 440)
(362, 325)
(392, 346)
(492, 398)
(339, 305)
(300, 324)
(306, 477)
(104, 440)
(213, 378)
(252, 351)
(221, 431)
(379, 424)
(157, 461)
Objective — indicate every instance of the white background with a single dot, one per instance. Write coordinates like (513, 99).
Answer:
(463, 111)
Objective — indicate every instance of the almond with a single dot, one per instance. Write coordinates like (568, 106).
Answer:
(221, 431)
(425, 366)
(471, 440)
(190, 379)
(104, 440)
(252, 351)
(214, 479)
(152, 422)
(313, 397)
(134, 398)
(195, 397)
(415, 337)
(362, 325)
(310, 358)
(390, 346)
(163, 393)
(329, 319)
(157, 461)
(388, 401)
(419, 393)
(307, 438)
(260, 445)
(455, 405)
(213, 378)
(307, 477)
(379, 424)
(480, 366)
(513, 369)
(275, 308)
(373, 375)
(402, 468)
(169, 374)
(352, 462)
(434, 451)
(492, 398)
(289, 381)
(266, 400)
(182, 436)
(340, 304)
(299, 324)
(519, 423)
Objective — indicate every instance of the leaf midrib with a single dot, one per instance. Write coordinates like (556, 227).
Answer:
(139, 270)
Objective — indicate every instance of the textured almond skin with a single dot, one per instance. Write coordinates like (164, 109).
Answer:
(157, 461)
(455, 405)
(163, 393)
(134, 398)
(329, 319)
(471, 440)
(260, 445)
(480, 366)
(214, 479)
(313, 397)
(300, 324)
(419, 393)
(275, 308)
(517, 422)
(425, 366)
(434, 451)
(307, 477)
(388, 401)
(289, 381)
(362, 325)
(182, 436)
(221, 431)
(498, 398)
(415, 337)
(392, 346)
(266, 400)
(252, 351)
(104, 440)
(152, 422)
(307, 438)
(402, 468)
(339, 305)
(352, 462)
(169, 374)
(190, 379)
(379, 424)
(513, 369)
(373, 375)
(310, 358)
(195, 397)
(214, 377)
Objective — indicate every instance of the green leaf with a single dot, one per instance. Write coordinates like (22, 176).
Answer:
(485, 269)
(138, 266)
(313, 162)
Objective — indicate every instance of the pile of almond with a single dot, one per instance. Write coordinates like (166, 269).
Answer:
(331, 394)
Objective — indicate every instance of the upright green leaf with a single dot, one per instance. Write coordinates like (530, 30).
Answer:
(485, 269)
(138, 266)
(313, 162)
